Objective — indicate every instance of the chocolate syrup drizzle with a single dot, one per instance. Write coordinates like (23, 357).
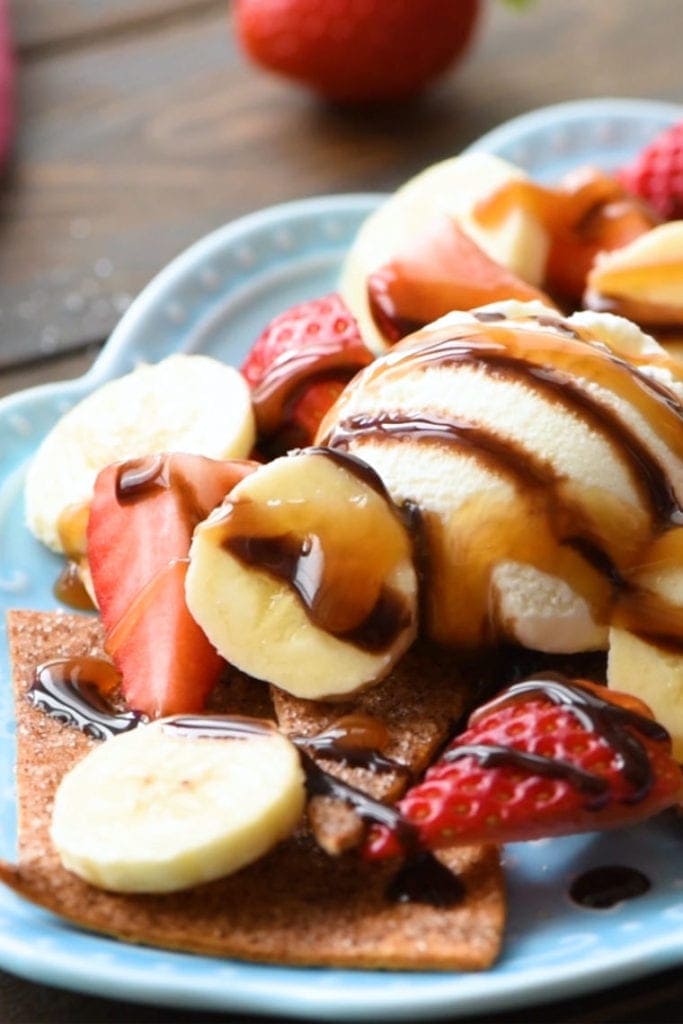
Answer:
(571, 525)
(646, 472)
(614, 723)
(68, 691)
(61, 688)
(138, 478)
(299, 561)
(356, 740)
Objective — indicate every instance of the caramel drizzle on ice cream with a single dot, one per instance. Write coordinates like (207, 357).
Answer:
(586, 536)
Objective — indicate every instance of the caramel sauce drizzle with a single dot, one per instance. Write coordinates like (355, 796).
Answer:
(70, 589)
(596, 547)
(72, 527)
(293, 370)
(320, 553)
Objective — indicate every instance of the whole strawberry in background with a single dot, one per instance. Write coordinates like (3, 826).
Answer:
(357, 50)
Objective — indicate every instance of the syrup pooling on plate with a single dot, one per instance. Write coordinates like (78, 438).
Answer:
(594, 542)
(604, 887)
(70, 589)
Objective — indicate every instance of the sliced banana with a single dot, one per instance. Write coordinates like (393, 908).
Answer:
(452, 188)
(185, 403)
(164, 807)
(648, 270)
(305, 577)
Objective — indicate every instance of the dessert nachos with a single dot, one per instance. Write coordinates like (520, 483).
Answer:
(403, 589)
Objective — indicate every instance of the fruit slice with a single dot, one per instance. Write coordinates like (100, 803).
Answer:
(185, 403)
(452, 189)
(652, 672)
(293, 362)
(444, 270)
(176, 803)
(141, 521)
(656, 174)
(548, 757)
(597, 216)
(642, 280)
(304, 577)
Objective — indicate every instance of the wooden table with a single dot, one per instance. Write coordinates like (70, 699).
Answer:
(142, 128)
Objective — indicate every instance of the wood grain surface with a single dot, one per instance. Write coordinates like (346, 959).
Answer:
(142, 128)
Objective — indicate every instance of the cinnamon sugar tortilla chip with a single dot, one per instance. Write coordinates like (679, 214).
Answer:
(418, 703)
(294, 906)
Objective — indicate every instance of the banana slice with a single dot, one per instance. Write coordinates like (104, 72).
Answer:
(451, 188)
(648, 270)
(304, 577)
(185, 403)
(177, 803)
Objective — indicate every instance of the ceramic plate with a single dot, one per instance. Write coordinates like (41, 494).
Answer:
(215, 298)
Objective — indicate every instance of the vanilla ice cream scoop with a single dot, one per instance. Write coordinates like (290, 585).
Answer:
(545, 457)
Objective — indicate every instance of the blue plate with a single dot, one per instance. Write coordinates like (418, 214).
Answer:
(215, 298)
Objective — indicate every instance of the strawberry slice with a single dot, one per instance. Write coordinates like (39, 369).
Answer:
(548, 757)
(656, 173)
(312, 344)
(141, 521)
(444, 270)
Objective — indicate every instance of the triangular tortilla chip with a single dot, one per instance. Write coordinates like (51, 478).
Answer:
(295, 906)
(419, 704)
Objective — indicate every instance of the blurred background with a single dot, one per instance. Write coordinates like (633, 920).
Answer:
(141, 125)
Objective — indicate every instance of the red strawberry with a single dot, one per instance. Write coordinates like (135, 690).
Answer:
(656, 174)
(548, 757)
(141, 521)
(444, 270)
(357, 50)
(310, 345)
(309, 410)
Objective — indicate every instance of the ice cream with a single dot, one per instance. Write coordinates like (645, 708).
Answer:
(545, 456)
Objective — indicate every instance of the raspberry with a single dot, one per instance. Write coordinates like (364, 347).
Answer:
(656, 174)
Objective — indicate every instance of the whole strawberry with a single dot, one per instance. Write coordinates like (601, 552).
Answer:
(357, 50)
(550, 756)
(656, 174)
